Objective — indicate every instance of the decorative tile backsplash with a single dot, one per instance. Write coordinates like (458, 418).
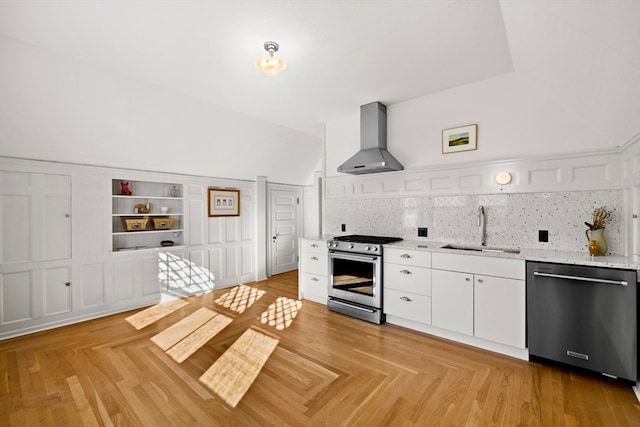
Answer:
(512, 220)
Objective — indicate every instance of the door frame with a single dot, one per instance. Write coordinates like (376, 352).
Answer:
(299, 222)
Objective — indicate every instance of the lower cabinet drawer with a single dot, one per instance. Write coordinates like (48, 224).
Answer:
(313, 286)
(408, 306)
(314, 263)
(415, 280)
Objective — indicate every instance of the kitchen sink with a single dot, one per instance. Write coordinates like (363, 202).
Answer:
(481, 249)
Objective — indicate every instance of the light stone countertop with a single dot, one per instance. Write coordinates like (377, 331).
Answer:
(563, 257)
(542, 255)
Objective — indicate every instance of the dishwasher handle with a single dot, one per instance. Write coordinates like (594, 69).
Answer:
(582, 279)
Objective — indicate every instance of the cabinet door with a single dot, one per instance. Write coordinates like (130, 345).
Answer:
(35, 217)
(499, 313)
(57, 291)
(34, 294)
(452, 301)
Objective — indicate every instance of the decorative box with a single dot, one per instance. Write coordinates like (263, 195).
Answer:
(135, 224)
(162, 223)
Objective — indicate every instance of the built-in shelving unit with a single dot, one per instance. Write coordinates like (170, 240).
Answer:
(155, 195)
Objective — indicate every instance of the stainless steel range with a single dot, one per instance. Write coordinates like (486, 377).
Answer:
(355, 276)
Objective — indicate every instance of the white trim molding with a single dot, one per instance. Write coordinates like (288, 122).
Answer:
(595, 171)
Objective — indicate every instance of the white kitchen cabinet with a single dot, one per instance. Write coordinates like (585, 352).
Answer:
(158, 226)
(407, 284)
(481, 296)
(500, 313)
(452, 301)
(314, 269)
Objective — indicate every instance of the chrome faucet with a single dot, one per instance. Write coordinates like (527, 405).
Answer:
(482, 223)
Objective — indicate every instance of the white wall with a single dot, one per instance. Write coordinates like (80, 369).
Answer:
(57, 108)
(575, 89)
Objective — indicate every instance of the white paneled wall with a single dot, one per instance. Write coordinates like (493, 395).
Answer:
(218, 252)
(588, 172)
(555, 194)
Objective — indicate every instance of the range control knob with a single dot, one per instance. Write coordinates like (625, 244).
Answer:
(375, 249)
(351, 246)
(367, 248)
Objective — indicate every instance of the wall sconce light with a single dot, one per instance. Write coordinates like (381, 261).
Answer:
(269, 63)
(503, 178)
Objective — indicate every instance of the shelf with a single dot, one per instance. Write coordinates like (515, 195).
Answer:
(123, 215)
(120, 196)
(156, 196)
(129, 233)
(148, 249)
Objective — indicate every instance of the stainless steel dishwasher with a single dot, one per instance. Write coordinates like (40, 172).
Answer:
(584, 316)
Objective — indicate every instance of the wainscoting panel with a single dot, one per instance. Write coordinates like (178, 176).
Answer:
(544, 177)
(246, 264)
(585, 172)
(215, 230)
(246, 219)
(123, 285)
(91, 286)
(91, 208)
(216, 264)
(150, 271)
(196, 222)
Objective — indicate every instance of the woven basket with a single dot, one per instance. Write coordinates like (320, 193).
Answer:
(135, 224)
(162, 223)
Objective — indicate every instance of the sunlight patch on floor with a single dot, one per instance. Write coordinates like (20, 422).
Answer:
(281, 312)
(237, 368)
(152, 314)
(192, 342)
(177, 332)
(240, 298)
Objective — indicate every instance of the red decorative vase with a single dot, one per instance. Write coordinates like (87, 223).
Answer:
(125, 188)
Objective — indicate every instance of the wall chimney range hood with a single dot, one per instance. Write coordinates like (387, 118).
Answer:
(373, 156)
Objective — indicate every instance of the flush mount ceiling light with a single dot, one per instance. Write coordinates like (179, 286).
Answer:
(269, 63)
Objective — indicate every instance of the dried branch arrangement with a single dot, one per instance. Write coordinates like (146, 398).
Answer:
(601, 217)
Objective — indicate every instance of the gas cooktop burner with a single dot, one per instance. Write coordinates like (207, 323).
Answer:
(375, 240)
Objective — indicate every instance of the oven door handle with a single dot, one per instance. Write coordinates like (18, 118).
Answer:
(354, 257)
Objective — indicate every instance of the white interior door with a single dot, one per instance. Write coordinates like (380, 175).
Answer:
(284, 225)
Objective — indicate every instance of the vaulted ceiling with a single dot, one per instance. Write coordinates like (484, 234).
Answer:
(341, 54)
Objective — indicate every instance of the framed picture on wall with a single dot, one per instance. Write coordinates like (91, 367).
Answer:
(463, 138)
(224, 202)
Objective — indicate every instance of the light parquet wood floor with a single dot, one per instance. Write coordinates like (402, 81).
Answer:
(327, 370)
